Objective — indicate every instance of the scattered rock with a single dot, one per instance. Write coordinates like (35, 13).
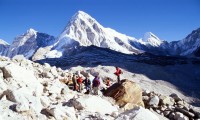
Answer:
(178, 115)
(21, 107)
(146, 93)
(175, 97)
(185, 112)
(165, 100)
(62, 113)
(74, 103)
(154, 101)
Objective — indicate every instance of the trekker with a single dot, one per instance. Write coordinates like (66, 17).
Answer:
(79, 81)
(117, 73)
(108, 82)
(74, 82)
(87, 84)
(95, 85)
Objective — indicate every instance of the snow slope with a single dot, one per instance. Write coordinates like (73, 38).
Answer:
(86, 31)
(152, 39)
(2, 42)
(27, 43)
(3, 47)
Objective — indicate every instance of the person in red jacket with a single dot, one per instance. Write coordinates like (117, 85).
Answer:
(117, 73)
(79, 81)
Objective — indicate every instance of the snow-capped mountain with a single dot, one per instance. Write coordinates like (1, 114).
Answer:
(29, 42)
(3, 47)
(2, 42)
(85, 31)
(151, 39)
(190, 44)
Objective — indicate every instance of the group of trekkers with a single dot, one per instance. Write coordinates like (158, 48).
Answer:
(94, 85)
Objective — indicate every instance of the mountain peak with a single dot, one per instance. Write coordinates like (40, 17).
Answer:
(2, 42)
(81, 13)
(82, 16)
(31, 31)
(148, 35)
(152, 39)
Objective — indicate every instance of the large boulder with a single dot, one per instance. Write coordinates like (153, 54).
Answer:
(138, 113)
(128, 94)
(154, 101)
(166, 100)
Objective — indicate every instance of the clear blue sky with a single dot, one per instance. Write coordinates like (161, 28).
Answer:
(168, 19)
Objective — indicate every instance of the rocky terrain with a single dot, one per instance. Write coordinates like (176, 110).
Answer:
(32, 91)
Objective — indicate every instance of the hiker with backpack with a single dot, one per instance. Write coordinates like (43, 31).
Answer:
(74, 82)
(79, 81)
(117, 73)
(87, 84)
(95, 85)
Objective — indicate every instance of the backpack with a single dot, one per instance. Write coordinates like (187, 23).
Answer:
(120, 72)
(79, 80)
(96, 82)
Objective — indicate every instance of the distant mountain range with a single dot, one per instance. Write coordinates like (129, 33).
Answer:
(83, 30)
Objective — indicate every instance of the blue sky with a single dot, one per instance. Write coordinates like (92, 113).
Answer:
(168, 19)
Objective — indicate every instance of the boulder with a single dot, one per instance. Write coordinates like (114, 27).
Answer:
(185, 112)
(128, 92)
(47, 67)
(23, 99)
(154, 101)
(8, 112)
(22, 108)
(146, 93)
(54, 71)
(175, 97)
(178, 115)
(85, 74)
(166, 100)
(6, 72)
(45, 101)
(18, 80)
(19, 58)
(74, 103)
(137, 113)
(62, 113)
(1, 74)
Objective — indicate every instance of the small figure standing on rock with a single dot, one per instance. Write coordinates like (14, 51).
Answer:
(74, 82)
(95, 85)
(117, 73)
(87, 84)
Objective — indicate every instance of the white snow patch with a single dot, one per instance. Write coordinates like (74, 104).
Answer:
(97, 104)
